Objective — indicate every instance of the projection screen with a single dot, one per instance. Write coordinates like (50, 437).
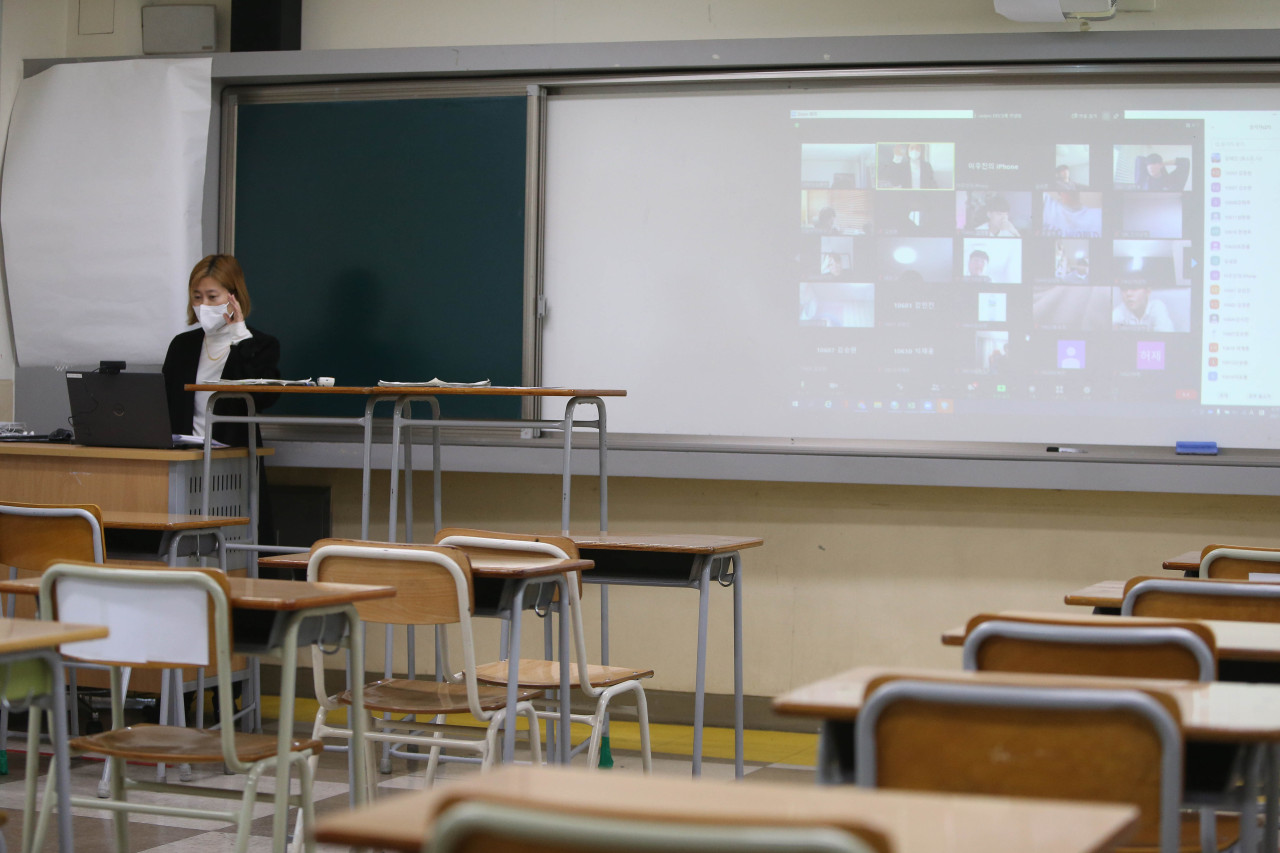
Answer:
(940, 261)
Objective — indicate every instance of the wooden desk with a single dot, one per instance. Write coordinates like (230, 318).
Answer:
(173, 528)
(907, 822)
(128, 483)
(402, 425)
(1240, 641)
(1213, 711)
(1103, 595)
(681, 560)
(28, 639)
(114, 478)
(1188, 561)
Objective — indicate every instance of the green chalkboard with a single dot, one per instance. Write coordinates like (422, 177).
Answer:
(384, 239)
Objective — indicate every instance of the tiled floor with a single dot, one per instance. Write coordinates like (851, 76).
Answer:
(772, 756)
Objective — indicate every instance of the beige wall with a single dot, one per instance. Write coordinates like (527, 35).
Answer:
(848, 574)
(404, 23)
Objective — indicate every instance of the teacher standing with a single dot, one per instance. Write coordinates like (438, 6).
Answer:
(223, 346)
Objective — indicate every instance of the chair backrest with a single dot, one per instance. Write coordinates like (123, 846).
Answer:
(483, 827)
(34, 535)
(1059, 743)
(433, 584)
(1193, 598)
(433, 587)
(158, 618)
(1236, 562)
(494, 543)
(1091, 645)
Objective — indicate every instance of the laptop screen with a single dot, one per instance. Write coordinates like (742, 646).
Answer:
(119, 409)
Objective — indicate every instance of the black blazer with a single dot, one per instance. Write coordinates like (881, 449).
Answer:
(255, 358)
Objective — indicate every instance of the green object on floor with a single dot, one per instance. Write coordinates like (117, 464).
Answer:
(606, 754)
(4, 762)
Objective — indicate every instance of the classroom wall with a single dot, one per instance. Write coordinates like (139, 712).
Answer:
(403, 23)
(850, 574)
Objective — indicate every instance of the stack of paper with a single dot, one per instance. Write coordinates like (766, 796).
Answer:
(434, 383)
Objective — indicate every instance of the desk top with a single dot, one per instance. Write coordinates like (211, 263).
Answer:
(483, 565)
(487, 564)
(1235, 640)
(674, 543)
(1188, 561)
(1211, 711)
(116, 520)
(24, 635)
(49, 448)
(912, 822)
(1101, 594)
(251, 594)
(415, 391)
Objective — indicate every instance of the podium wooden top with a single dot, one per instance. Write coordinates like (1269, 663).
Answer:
(181, 454)
(417, 390)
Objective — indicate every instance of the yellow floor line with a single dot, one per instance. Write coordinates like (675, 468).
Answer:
(764, 747)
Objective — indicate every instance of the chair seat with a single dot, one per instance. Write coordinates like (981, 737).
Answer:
(545, 674)
(175, 745)
(406, 696)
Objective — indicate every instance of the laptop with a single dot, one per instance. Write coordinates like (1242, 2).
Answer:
(119, 409)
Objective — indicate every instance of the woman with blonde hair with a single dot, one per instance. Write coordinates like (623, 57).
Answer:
(222, 346)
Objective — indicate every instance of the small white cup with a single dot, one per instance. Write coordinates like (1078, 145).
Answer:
(325, 381)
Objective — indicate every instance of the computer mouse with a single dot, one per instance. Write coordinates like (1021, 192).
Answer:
(60, 435)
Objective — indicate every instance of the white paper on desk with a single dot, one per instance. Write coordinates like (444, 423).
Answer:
(1264, 577)
(195, 440)
(1031, 11)
(101, 207)
(434, 383)
(144, 629)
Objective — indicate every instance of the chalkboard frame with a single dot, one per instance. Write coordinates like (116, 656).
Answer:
(233, 99)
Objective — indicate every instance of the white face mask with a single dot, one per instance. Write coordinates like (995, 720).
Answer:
(212, 318)
(897, 158)
(914, 155)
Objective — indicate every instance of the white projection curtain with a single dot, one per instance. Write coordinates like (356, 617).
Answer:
(100, 207)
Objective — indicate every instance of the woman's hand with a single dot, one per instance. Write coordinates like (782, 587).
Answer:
(234, 314)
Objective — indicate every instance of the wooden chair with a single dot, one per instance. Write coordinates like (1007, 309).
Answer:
(1194, 598)
(602, 684)
(1052, 742)
(31, 537)
(34, 535)
(484, 827)
(1237, 562)
(163, 618)
(433, 587)
(1090, 645)
(1122, 648)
